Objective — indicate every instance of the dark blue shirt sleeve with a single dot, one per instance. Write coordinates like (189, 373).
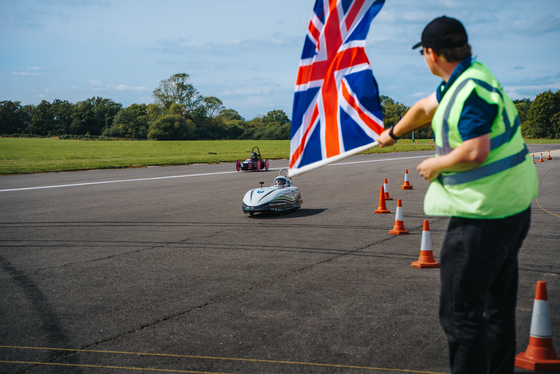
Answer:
(477, 117)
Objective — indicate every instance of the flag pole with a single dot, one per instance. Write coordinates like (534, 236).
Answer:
(342, 156)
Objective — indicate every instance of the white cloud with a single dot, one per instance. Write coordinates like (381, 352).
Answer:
(24, 73)
(122, 87)
(33, 71)
(98, 86)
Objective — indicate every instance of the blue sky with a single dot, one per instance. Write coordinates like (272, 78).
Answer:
(246, 52)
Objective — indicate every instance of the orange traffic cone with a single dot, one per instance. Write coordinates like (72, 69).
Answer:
(398, 227)
(541, 159)
(548, 157)
(533, 158)
(426, 259)
(406, 185)
(540, 354)
(386, 191)
(382, 207)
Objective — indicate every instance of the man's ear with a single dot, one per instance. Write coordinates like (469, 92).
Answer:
(435, 58)
(432, 55)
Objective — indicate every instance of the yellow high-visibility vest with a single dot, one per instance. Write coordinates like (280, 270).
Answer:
(507, 181)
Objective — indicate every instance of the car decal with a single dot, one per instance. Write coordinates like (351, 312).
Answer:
(266, 194)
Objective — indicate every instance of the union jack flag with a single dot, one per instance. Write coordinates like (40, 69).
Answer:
(337, 111)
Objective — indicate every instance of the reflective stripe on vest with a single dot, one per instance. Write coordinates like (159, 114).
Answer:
(489, 169)
(494, 142)
(484, 171)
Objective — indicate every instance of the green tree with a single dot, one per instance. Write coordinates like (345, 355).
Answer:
(93, 115)
(178, 108)
(171, 127)
(527, 129)
(392, 111)
(131, 122)
(232, 123)
(27, 115)
(52, 119)
(154, 111)
(256, 122)
(212, 107)
(234, 128)
(83, 119)
(556, 117)
(424, 133)
(541, 112)
(177, 90)
(42, 122)
(522, 106)
(105, 111)
(275, 125)
(12, 118)
(229, 115)
(278, 116)
(62, 115)
(556, 125)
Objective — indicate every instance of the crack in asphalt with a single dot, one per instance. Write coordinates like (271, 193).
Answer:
(226, 297)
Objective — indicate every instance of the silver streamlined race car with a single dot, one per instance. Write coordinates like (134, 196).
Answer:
(255, 162)
(281, 197)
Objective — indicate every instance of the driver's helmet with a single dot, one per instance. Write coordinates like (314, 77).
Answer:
(254, 156)
(281, 182)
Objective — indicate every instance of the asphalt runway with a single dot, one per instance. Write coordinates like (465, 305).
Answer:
(158, 269)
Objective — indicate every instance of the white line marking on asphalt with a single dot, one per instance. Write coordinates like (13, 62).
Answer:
(385, 159)
(186, 176)
(117, 181)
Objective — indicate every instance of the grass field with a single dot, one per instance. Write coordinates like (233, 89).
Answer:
(29, 155)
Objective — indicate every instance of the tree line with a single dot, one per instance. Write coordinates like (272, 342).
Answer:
(540, 118)
(180, 112)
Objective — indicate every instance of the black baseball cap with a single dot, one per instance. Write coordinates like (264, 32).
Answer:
(443, 32)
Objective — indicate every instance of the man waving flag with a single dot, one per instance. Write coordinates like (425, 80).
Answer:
(337, 111)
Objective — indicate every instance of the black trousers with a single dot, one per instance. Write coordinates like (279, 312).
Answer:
(479, 279)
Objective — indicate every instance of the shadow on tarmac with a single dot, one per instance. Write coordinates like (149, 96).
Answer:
(297, 213)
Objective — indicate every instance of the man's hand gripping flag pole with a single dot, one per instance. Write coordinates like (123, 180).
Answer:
(337, 111)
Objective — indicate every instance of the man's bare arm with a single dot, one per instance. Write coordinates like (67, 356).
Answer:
(469, 155)
(418, 116)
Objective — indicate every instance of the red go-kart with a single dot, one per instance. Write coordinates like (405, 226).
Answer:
(255, 162)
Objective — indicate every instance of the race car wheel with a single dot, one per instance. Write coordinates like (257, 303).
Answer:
(266, 165)
(258, 166)
(238, 165)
